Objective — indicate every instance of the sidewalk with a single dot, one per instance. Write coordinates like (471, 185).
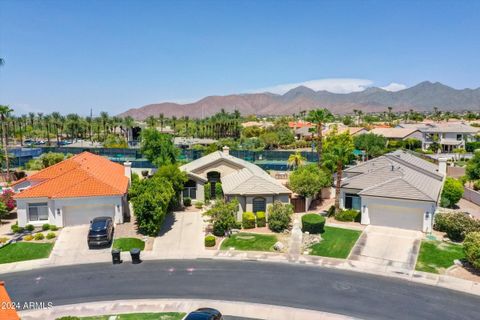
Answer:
(239, 309)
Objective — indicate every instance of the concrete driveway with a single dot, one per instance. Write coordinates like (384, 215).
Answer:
(71, 247)
(388, 247)
(182, 236)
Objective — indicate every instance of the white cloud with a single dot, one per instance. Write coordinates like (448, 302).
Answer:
(334, 85)
(394, 87)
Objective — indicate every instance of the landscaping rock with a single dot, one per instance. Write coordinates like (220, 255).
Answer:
(278, 246)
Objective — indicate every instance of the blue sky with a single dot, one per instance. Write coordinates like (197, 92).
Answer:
(71, 56)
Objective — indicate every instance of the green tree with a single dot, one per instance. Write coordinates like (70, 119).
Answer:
(270, 139)
(4, 114)
(296, 160)
(115, 141)
(223, 216)
(308, 180)
(338, 153)
(279, 216)
(158, 147)
(452, 192)
(319, 117)
(473, 167)
(177, 178)
(373, 144)
(471, 247)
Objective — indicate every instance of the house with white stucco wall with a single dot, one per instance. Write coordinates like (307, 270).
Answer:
(397, 190)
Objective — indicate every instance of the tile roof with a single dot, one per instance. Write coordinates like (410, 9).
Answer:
(394, 133)
(83, 175)
(396, 175)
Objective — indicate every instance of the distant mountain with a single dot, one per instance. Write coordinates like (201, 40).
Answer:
(422, 97)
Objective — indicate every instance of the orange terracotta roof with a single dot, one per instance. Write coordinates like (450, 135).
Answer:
(299, 124)
(83, 175)
(7, 311)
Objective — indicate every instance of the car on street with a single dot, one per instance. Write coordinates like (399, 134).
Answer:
(204, 314)
(100, 232)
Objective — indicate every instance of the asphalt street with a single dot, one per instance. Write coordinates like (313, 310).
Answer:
(343, 292)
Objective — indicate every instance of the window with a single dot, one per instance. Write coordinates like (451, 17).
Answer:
(459, 137)
(259, 204)
(190, 190)
(352, 201)
(37, 211)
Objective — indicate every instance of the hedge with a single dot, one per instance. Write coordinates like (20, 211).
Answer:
(472, 146)
(248, 220)
(456, 225)
(313, 223)
(471, 247)
(261, 220)
(348, 215)
(210, 241)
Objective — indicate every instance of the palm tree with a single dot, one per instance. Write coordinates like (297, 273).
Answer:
(151, 122)
(48, 121)
(4, 113)
(296, 160)
(57, 122)
(319, 117)
(105, 118)
(161, 119)
(338, 153)
(128, 123)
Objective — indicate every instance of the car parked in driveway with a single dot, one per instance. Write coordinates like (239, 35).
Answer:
(204, 314)
(100, 232)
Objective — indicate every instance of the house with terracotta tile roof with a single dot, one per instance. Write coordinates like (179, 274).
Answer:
(73, 192)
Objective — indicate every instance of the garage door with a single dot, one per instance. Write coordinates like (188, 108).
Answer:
(75, 215)
(396, 217)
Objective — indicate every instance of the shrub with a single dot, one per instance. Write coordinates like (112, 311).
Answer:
(279, 216)
(248, 220)
(53, 227)
(210, 240)
(261, 220)
(476, 185)
(144, 173)
(28, 238)
(46, 227)
(14, 228)
(199, 204)
(207, 189)
(452, 192)
(456, 225)
(471, 247)
(218, 229)
(3, 239)
(39, 236)
(187, 202)
(29, 227)
(51, 235)
(218, 190)
(347, 215)
(313, 223)
(331, 211)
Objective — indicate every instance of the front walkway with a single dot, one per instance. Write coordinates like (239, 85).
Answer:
(388, 247)
(182, 236)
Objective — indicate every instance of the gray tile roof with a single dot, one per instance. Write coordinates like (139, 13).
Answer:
(396, 175)
(250, 179)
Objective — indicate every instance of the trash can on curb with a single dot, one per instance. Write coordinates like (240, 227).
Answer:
(135, 253)
(116, 256)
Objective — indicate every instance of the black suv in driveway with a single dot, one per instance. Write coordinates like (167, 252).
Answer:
(205, 314)
(101, 232)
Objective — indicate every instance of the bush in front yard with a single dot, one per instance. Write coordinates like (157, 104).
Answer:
(199, 204)
(28, 238)
(45, 227)
(29, 227)
(248, 220)
(456, 224)
(313, 223)
(53, 227)
(51, 235)
(210, 241)
(452, 192)
(348, 215)
(471, 247)
(331, 211)
(3, 240)
(218, 229)
(39, 236)
(279, 216)
(261, 220)
(187, 202)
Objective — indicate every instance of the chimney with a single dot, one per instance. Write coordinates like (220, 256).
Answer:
(442, 165)
(128, 170)
(226, 150)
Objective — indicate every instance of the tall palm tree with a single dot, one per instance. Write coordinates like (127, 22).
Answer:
(161, 120)
(4, 113)
(48, 122)
(57, 122)
(296, 160)
(105, 118)
(151, 122)
(128, 123)
(319, 117)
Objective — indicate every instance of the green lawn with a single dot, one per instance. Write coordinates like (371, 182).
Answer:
(437, 255)
(125, 244)
(142, 316)
(22, 251)
(336, 243)
(250, 242)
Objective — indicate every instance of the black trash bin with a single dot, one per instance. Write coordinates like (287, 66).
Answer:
(135, 253)
(116, 256)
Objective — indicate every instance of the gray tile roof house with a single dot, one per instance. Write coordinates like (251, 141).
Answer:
(254, 188)
(398, 189)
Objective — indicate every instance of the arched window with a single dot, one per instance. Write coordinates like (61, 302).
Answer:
(213, 177)
(259, 204)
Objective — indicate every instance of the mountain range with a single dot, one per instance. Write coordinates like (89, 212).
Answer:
(421, 97)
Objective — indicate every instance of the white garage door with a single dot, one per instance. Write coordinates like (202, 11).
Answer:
(396, 217)
(75, 215)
